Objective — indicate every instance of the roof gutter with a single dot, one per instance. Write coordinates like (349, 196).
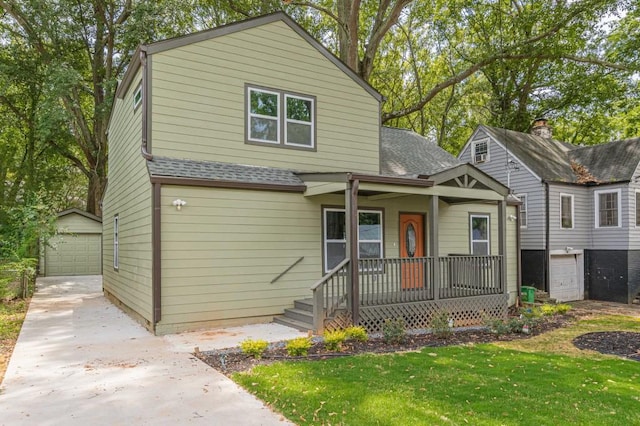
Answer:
(145, 105)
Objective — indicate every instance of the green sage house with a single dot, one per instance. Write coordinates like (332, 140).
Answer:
(249, 175)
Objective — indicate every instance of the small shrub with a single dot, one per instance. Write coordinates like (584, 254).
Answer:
(254, 348)
(357, 333)
(333, 340)
(562, 308)
(440, 325)
(394, 331)
(299, 346)
(550, 310)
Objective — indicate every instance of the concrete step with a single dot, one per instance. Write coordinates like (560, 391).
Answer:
(298, 325)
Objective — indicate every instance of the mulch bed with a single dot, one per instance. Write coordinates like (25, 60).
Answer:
(625, 344)
(232, 360)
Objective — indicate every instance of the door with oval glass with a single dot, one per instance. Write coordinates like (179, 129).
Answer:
(412, 250)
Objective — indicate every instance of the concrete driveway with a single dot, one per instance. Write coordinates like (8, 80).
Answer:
(80, 360)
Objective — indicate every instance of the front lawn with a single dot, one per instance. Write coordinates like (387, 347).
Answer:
(485, 384)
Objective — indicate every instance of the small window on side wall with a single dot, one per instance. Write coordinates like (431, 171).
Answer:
(607, 212)
(116, 242)
(523, 210)
(480, 151)
(479, 230)
(137, 97)
(566, 211)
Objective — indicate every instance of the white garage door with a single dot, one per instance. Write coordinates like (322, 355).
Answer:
(78, 254)
(564, 283)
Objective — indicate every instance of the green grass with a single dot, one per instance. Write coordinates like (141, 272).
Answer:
(478, 385)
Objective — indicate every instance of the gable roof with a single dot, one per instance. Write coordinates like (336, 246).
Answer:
(554, 161)
(81, 213)
(406, 153)
(231, 28)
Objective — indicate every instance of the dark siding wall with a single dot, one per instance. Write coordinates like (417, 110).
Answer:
(534, 263)
(607, 275)
(634, 274)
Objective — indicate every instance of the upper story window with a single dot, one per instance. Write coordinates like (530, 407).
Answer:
(480, 151)
(566, 211)
(479, 230)
(280, 118)
(137, 97)
(523, 210)
(607, 211)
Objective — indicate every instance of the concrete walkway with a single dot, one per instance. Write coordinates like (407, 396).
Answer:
(80, 360)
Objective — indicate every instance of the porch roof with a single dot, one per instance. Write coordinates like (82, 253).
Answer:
(377, 187)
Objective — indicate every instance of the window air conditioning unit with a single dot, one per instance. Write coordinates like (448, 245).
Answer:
(481, 158)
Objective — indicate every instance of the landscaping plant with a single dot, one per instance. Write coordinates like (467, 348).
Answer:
(357, 332)
(441, 325)
(394, 330)
(299, 346)
(254, 348)
(333, 340)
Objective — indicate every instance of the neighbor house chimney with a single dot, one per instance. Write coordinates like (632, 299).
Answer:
(540, 128)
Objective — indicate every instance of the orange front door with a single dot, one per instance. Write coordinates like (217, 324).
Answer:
(411, 248)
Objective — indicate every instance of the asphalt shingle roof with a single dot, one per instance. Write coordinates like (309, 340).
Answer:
(552, 160)
(406, 153)
(217, 171)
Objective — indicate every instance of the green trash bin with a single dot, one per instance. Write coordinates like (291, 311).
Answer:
(528, 294)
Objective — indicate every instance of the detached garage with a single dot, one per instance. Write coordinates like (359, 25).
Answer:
(76, 249)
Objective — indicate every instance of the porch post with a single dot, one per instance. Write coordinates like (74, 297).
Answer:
(434, 239)
(502, 243)
(351, 238)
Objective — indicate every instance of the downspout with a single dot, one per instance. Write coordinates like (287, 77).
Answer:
(145, 105)
(518, 258)
(547, 245)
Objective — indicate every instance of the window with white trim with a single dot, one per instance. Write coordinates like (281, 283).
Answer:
(334, 238)
(480, 151)
(137, 97)
(479, 233)
(116, 243)
(638, 208)
(566, 211)
(607, 211)
(523, 210)
(280, 118)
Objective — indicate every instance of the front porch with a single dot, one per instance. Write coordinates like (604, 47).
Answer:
(469, 289)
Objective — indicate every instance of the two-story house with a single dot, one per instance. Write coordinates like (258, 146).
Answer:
(249, 175)
(580, 217)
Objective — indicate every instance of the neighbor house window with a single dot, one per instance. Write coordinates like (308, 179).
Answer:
(479, 230)
(637, 208)
(480, 151)
(523, 210)
(116, 235)
(566, 211)
(137, 97)
(335, 243)
(607, 204)
(280, 118)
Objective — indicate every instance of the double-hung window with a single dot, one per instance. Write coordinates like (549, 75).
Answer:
(480, 151)
(607, 209)
(116, 243)
(566, 211)
(369, 236)
(280, 118)
(479, 231)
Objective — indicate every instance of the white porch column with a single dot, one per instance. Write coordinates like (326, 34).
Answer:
(434, 251)
(502, 242)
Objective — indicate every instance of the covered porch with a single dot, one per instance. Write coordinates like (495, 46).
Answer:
(417, 281)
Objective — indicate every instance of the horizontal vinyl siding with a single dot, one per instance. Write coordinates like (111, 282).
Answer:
(198, 98)
(128, 195)
(579, 236)
(611, 238)
(634, 231)
(520, 181)
(75, 223)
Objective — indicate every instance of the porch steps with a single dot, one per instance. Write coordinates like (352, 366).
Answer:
(299, 317)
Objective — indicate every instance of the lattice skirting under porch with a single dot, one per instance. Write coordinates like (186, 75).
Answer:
(464, 312)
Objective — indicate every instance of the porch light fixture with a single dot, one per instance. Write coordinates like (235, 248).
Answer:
(512, 218)
(179, 203)
(568, 249)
